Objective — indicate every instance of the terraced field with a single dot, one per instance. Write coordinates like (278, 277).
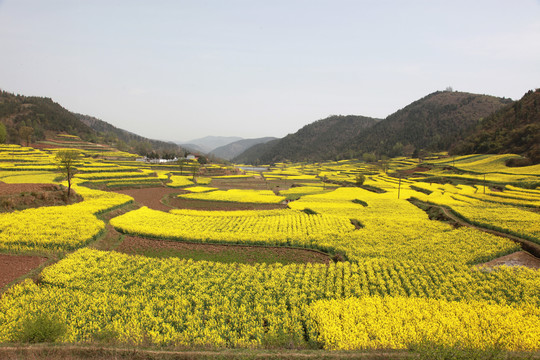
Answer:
(275, 259)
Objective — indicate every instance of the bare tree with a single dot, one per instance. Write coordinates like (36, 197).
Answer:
(67, 161)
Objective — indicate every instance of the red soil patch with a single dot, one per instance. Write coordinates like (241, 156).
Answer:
(257, 183)
(192, 204)
(245, 254)
(9, 189)
(25, 196)
(520, 258)
(152, 197)
(15, 266)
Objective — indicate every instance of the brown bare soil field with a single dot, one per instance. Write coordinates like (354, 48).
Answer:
(520, 258)
(15, 266)
(25, 196)
(256, 183)
(163, 199)
(217, 252)
(10, 189)
(180, 203)
(151, 197)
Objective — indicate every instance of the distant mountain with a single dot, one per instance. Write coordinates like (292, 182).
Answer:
(319, 140)
(44, 117)
(253, 154)
(513, 129)
(229, 151)
(433, 123)
(195, 148)
(209, 143)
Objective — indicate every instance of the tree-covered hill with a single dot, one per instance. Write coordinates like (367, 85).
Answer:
(433, 123)
(319, 140)
(125, 140)
(41, 114)
(513, 129)
(31, 118)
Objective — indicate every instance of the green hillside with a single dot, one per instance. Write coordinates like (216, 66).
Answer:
(128, 141)
(515, 129)
(41, 114)
(433, 123)
(31, 119)
(319, 140)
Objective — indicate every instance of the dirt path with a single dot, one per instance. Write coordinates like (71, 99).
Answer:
(151, 197)
(57, 352)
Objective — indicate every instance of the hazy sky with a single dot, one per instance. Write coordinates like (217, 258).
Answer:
(178, 70)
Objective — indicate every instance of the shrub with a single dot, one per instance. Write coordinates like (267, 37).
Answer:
(40, 329)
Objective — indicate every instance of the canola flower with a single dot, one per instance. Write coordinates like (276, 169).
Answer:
(30, 177)
(240, 176)
(302, 190)
(237, 195)
(133, 173)
(200, 189)
(201, 180)
(286, 227)
(180, 181)
(492, 214)
(408, 273)
(184, 302)
(58, 228)
(398, 322)
(396, 228)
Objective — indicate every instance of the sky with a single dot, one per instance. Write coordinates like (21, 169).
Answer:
(180, 70)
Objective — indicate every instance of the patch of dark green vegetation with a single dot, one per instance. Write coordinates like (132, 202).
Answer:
(373, 189)
(434, 212)
(357, 224)
(310, 211)
(41, 328)
(361, 202)
(419, 189)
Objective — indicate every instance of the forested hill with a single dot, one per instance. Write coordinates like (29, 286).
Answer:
(125, 140)
(433, 123)
(321, 139)
(41, 115)
(513, 129)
